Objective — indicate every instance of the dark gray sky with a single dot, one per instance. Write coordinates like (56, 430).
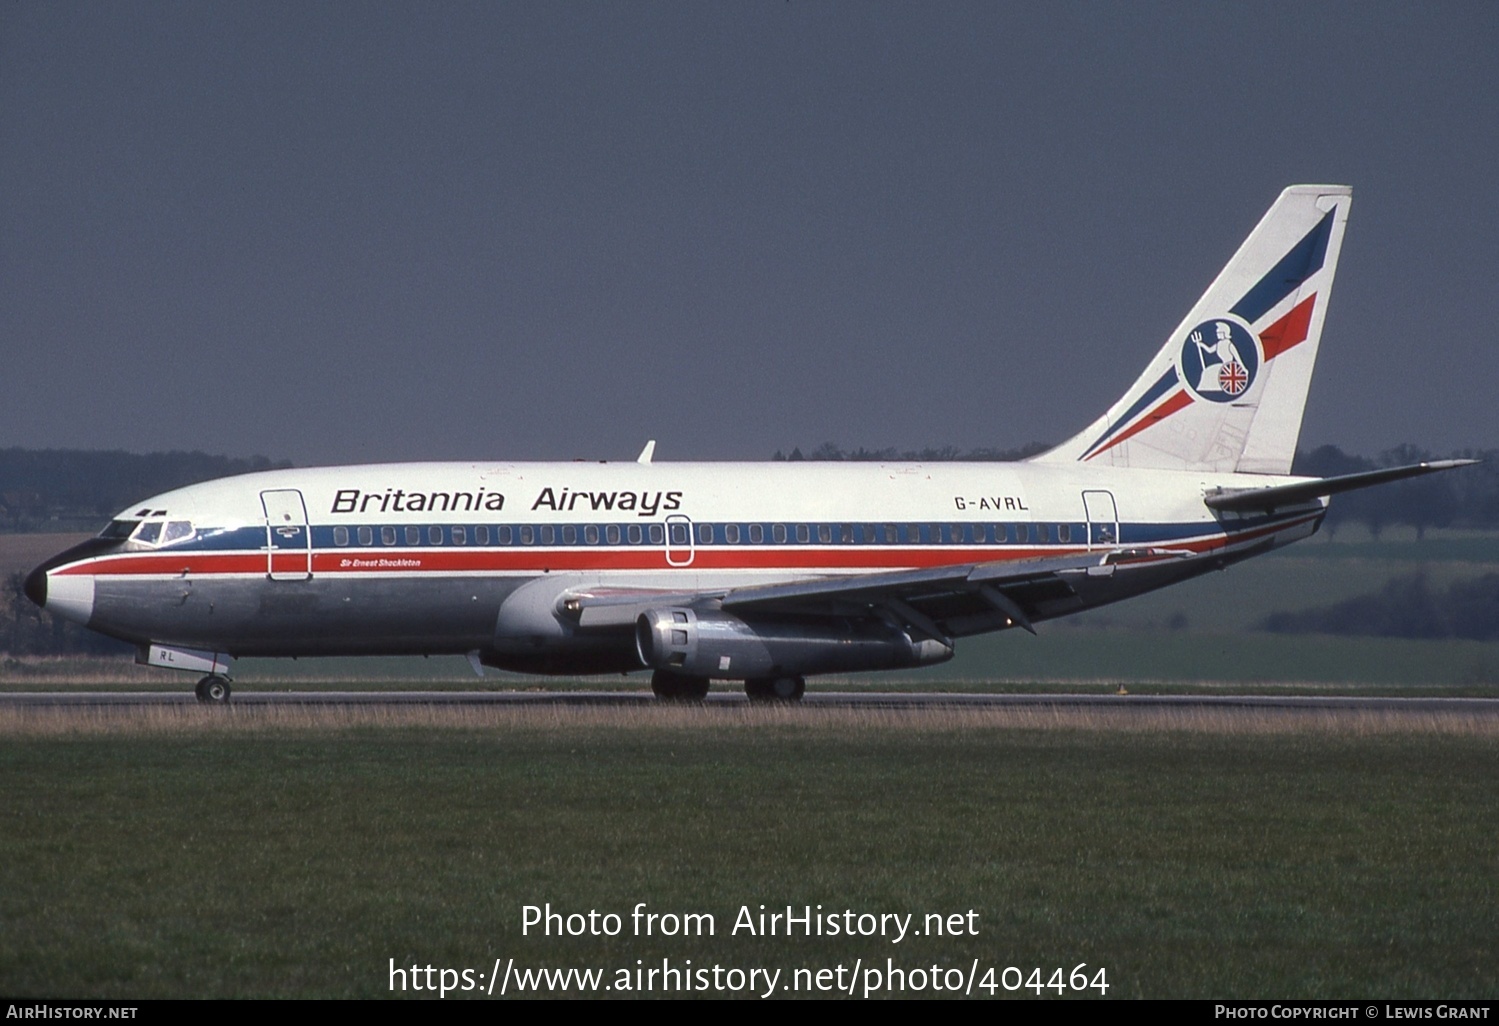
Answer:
(336, 231)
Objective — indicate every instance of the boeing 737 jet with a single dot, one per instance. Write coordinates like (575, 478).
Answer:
(764, 573)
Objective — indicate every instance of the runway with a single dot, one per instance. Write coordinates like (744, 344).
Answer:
(820, 699)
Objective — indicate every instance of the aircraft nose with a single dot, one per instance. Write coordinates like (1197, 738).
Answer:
(60, 589)
(36, 586)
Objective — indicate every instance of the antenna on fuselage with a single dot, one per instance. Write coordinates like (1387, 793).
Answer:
(647, 452)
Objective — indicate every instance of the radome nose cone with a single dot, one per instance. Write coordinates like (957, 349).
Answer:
(36, 586)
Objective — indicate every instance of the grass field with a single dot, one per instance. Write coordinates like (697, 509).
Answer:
(254, 851)
(202, 852)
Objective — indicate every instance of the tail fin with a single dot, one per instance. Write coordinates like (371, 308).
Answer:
(1227, 391)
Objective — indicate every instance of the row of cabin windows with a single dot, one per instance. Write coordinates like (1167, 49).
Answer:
(526, 534)
(711, 534)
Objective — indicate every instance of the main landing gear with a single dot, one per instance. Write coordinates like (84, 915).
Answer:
(673, 687)
(213, 689)
(775, 689)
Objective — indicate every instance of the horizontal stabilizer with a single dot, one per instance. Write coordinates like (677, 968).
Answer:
(1264, 500)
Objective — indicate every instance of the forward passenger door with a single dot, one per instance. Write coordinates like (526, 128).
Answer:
(288, 536)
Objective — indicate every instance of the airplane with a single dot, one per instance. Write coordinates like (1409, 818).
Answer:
(763, 573)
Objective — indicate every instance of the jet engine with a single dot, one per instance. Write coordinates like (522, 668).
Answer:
(712, 643)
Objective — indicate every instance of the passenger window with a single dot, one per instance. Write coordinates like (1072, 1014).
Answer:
(434, 535)
(460, 535)
(481, 534)
(657, 535)
(634, 534)
(825, 533)
(778, 533)
(340, 536)
(803, 534)
(756, 534)
(846, 535)
(366, 536)
(611, 534)
(591, 534)
(149, 533)
(413, 536)
(705, 534)
(999, 532)
(1064, 532)
(731, 534)
(527, 536)
(1022, 533)
(1043, 533)
(548, 535)
(679, 535)
(569, 535)
(387, 536)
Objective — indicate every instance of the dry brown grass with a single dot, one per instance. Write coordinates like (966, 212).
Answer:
(191, 719)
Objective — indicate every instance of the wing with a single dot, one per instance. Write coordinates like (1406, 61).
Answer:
(940, 602)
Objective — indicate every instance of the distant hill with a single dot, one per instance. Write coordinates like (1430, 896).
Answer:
(77, 490)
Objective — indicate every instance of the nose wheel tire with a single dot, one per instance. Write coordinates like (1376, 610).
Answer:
(775, 689)
(213, 690)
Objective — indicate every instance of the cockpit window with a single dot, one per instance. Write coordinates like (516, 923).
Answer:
(149, 533)
(119, 529)
(177, 530)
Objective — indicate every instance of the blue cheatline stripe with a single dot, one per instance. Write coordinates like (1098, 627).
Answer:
(1303, 261)
(1155, 391)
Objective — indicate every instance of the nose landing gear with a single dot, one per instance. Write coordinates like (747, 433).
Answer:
(213, 689)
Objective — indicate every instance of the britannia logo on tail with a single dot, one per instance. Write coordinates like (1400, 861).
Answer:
(1219, 361)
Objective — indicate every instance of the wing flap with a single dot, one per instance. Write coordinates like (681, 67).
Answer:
(905, 585)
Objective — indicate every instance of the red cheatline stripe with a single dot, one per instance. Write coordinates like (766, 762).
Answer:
(353, 561)
(1290, 330)
(1172, 403)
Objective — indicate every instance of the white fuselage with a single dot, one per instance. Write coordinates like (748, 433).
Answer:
(438, 557)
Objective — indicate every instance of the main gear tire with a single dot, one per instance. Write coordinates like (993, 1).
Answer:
(674, 687)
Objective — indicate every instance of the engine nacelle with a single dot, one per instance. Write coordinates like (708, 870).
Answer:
(712, 643)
